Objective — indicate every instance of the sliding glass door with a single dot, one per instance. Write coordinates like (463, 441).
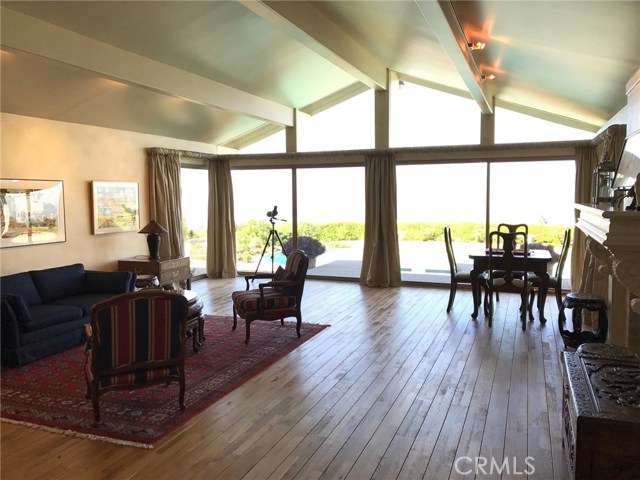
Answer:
(429, 198)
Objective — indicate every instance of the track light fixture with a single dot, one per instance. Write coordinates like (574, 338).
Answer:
(476, 46)
(488, 77)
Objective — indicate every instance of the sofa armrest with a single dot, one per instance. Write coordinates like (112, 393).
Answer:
(109, 282)
(14, 313)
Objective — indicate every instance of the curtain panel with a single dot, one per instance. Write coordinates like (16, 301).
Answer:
(381, 256)
(607, 146)
(165, 205)
(221, 230)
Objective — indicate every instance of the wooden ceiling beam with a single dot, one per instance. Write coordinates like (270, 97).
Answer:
(443, 21)
(305, 23)
(28, 34)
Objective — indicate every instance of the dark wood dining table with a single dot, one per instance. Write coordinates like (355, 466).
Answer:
(537, 262)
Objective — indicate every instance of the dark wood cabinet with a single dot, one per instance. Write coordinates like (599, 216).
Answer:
(167, 271)
(601, 412)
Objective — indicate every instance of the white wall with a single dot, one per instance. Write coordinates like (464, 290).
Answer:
(33, 148)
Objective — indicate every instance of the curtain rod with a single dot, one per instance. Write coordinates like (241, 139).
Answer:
(183, 153)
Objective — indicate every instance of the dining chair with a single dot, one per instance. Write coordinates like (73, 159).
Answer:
(555, 279)
(512, 228)
(504, 273)
(456, 275)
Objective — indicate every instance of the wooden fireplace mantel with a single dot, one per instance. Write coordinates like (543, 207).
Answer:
(614, 239)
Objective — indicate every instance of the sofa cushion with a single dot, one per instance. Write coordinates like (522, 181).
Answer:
(107, 282)
(85, 301)
(47, 315)
(58, 282)
(21, 284)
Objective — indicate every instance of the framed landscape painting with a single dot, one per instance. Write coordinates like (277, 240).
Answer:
(32, 212)
(115, 207)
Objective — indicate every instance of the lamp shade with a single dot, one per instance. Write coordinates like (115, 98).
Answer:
(154, 227)
(154, 231)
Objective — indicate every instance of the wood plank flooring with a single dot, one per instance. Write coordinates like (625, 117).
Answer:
(396, 388)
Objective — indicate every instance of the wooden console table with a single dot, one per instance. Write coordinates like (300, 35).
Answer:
(601, 412)
(167, 271)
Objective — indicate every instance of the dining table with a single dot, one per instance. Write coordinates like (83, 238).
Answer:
(537, 262)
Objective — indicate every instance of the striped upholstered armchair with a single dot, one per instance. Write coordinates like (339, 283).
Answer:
(279, 298)
(135, 340)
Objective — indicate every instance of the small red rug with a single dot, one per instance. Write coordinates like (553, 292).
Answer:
(50, 393)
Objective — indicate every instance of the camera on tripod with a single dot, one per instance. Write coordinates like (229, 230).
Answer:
(273, 213)
(272, 238)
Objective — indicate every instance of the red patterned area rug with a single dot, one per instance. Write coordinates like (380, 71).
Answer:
(50, 393)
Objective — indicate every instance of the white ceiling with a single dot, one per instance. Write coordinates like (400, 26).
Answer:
(212, 71)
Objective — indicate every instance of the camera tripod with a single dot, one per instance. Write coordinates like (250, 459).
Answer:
(271, 239)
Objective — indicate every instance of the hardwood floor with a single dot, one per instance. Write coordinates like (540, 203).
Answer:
(395, 388)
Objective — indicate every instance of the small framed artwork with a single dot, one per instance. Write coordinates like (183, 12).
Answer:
(115, 207)
(32, 212)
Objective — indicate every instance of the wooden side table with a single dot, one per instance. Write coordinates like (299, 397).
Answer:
(167, 271)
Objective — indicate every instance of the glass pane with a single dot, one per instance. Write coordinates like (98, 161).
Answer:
(331, 210)
(422, 116)
(346, 126)
(195, 191)
(545, 203)
(429, 198)
(258, 232)
(275, 143)
(514, 127)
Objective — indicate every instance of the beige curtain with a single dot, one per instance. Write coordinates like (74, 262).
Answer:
(165, 200)
(381, 256)
(586, 161)
(221, 231)
(609, 143)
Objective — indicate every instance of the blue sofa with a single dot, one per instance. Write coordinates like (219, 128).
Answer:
(44, 311)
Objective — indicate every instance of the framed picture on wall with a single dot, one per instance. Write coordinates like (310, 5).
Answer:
(115, 207)
(32, 212)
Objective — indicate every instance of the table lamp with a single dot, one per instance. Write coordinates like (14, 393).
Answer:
(154, 231)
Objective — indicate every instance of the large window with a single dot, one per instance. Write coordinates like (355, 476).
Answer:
(195, 192)
(429, 198)
(331, 211)
(514, 127)
(346, 126)
(423, 116)
(545, 204)
(257, 192)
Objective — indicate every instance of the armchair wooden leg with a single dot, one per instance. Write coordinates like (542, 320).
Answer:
(235, 319)
(95, 400)
(248, 329)
(298, 324)
(181, 397)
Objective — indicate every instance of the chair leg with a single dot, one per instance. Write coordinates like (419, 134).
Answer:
(235, 319)
(182, 390)
(452, 295)
(95, 400)
(248, 330)
(523, 315)
(558, 291)
(298, 324)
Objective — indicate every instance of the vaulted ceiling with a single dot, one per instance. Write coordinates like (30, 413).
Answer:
(214, 71)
